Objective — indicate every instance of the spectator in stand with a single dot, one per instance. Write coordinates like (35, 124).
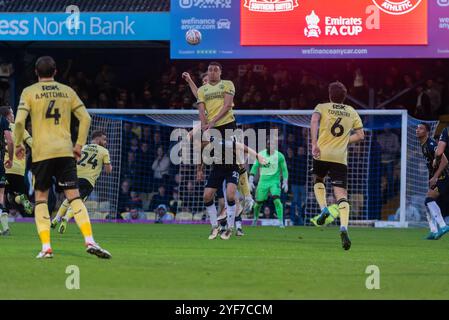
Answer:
(175, 202)
(161, 166)
(103, 101)
(434, 95)
(162, 214)
(160, 198)
(124, 197)
(157, 140)
(135, 201)
(267, 214)
(127, 135)
(144, 160)
(134, 147)
(390, 148)
(297, 164)
(423, 108)
(105, 80)
(130, 168)
(146, 135)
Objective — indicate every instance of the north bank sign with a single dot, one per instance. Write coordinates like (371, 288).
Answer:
(84, 26)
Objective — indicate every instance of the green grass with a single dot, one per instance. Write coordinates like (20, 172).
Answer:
(178, 262)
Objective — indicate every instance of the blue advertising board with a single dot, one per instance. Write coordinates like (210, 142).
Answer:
(82, 26)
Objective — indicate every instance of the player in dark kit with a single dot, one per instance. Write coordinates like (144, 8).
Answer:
(438, 182)
(5, 135)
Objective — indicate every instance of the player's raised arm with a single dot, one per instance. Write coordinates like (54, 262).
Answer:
(201, 100)
(314, 126)
(192, 85)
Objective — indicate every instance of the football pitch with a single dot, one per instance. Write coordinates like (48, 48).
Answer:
(179, 262)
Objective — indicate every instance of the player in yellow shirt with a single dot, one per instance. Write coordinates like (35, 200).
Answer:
(243, 187)
(50, 105)
(339, 125)
(15, 176)
(94, 157)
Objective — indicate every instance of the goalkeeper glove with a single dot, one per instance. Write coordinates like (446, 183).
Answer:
(251, 183)
(285, 185)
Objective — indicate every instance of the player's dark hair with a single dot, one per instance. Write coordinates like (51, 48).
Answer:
(425, 125)
(215, 63)
(97, 134)
(45, 67)
(337, 92)
(5, 110)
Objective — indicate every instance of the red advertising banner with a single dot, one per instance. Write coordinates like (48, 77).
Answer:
(333, 22)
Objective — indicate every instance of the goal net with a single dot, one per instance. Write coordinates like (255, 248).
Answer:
(387, 176)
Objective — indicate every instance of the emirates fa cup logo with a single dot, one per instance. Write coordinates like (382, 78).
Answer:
(312, 30)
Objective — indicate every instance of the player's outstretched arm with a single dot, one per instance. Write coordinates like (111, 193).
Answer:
(250, 151)
(357, 136)
(19, 128)
(192, 85)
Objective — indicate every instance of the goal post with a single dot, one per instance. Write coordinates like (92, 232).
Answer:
(361, 159)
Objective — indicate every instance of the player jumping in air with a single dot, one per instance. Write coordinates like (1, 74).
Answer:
(50, 105)
(94, 157)
(215, 102)
(438, 182)
(5, 135)
(243, 186)
(338, 125)
(15, 176)
(269, 181)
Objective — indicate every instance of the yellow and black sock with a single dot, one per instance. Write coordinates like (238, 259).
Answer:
(344, 208)
(243, 186)
(62, 209)
(320, 194)
(82, 219)
(42, 219)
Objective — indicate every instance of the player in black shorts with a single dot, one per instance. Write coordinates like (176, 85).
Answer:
(438, 182)
(223, 170)
(5, 135)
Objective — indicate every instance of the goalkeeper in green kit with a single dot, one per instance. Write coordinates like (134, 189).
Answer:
(269, 181)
